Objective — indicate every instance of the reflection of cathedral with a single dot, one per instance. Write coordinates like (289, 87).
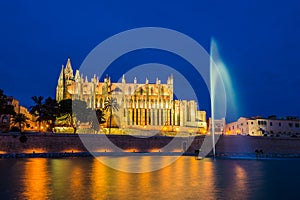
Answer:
(148, 104)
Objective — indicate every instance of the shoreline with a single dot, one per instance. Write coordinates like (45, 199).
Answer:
(129, 154)
(49, 145)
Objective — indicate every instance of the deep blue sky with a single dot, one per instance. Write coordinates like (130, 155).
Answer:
(258, 40)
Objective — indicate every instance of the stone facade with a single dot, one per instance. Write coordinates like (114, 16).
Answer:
(258, 126)
(141, 104)
(6, 120)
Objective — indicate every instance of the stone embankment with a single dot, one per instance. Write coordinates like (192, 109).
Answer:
(68, 145)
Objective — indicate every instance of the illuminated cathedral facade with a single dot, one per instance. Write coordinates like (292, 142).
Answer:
(140, 104)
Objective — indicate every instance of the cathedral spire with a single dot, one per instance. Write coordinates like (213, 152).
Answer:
(62, 74)
(123, 79)
(77, 76)
(69, 70)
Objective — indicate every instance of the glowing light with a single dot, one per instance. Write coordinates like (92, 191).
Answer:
(35, 150)
(103, 150)
(155, 150)
(131, 150)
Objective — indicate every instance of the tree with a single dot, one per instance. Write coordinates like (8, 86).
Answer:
(65, 109)
(96, 120)
(19, 119)
(45, 111)
(111, 104)
(79, 112)
(100, 116)
(5, 108)
(50, 111)
(37, 109)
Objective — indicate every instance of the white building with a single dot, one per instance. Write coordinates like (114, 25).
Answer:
(258, 126)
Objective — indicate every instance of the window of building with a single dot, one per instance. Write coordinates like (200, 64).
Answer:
(252, 123)
(141, 91)
(290, 124)
(271, 123)
(279, 123)
(297, 125)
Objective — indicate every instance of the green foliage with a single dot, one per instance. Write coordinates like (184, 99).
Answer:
(19, 119)
(5, 108)
(45, 111)
(110, 105)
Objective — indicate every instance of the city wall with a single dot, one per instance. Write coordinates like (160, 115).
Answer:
(226, 146)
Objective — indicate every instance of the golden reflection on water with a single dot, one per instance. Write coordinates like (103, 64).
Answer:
(240, 182)
(36, 179)
(87, 178)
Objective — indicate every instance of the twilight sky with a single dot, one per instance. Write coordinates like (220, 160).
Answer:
(259, 41)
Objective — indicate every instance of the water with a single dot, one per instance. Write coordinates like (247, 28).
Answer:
(187, 178)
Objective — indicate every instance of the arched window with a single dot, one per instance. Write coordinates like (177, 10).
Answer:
(103, 89)
(101, 103)
(141, 91)
(152, 91)
(96, 103)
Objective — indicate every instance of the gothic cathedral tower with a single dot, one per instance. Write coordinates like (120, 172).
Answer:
(65, 81)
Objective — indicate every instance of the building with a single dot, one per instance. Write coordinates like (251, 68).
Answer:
(6, 123)
(219, 125)
(141, 104)
(5, 119)
(259, 126)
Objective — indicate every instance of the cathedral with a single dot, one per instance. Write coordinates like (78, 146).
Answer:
(146, 104)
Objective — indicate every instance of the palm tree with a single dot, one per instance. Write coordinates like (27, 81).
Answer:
(20, 119)
(37, 109)
(111, 105)
(50, 111)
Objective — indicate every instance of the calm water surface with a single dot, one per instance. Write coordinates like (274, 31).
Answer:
(187, 178)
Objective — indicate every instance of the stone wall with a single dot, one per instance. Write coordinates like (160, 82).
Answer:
(228, 145)
(248, 144)
(98, 143)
